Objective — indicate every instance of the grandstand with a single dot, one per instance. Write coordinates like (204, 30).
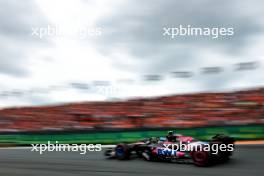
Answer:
(190, 110)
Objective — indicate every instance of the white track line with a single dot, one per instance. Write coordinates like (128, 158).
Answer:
(25, 148)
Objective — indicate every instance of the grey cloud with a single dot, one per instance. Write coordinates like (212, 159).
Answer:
(11, 62)
(16, 21)
(137, 26)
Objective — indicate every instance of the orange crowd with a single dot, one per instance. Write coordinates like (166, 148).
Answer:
(191, 110)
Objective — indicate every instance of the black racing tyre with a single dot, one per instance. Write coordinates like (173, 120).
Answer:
(122, 152)
(201, 158)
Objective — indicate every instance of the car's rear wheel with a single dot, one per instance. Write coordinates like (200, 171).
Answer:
(200, 158)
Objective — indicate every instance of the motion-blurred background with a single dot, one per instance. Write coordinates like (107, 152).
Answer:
(239, 114)
(104, 72)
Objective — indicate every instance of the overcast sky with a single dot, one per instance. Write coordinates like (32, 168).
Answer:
(104, 49)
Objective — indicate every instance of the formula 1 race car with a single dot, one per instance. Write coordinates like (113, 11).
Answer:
(176, 148)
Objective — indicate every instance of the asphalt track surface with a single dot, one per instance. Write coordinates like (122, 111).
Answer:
(247, 161)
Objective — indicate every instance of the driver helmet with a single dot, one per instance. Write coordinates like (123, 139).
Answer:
(170, 133)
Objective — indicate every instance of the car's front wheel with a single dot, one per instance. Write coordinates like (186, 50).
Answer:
(122, 151)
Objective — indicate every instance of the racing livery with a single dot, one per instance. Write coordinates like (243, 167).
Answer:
(177, 148)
